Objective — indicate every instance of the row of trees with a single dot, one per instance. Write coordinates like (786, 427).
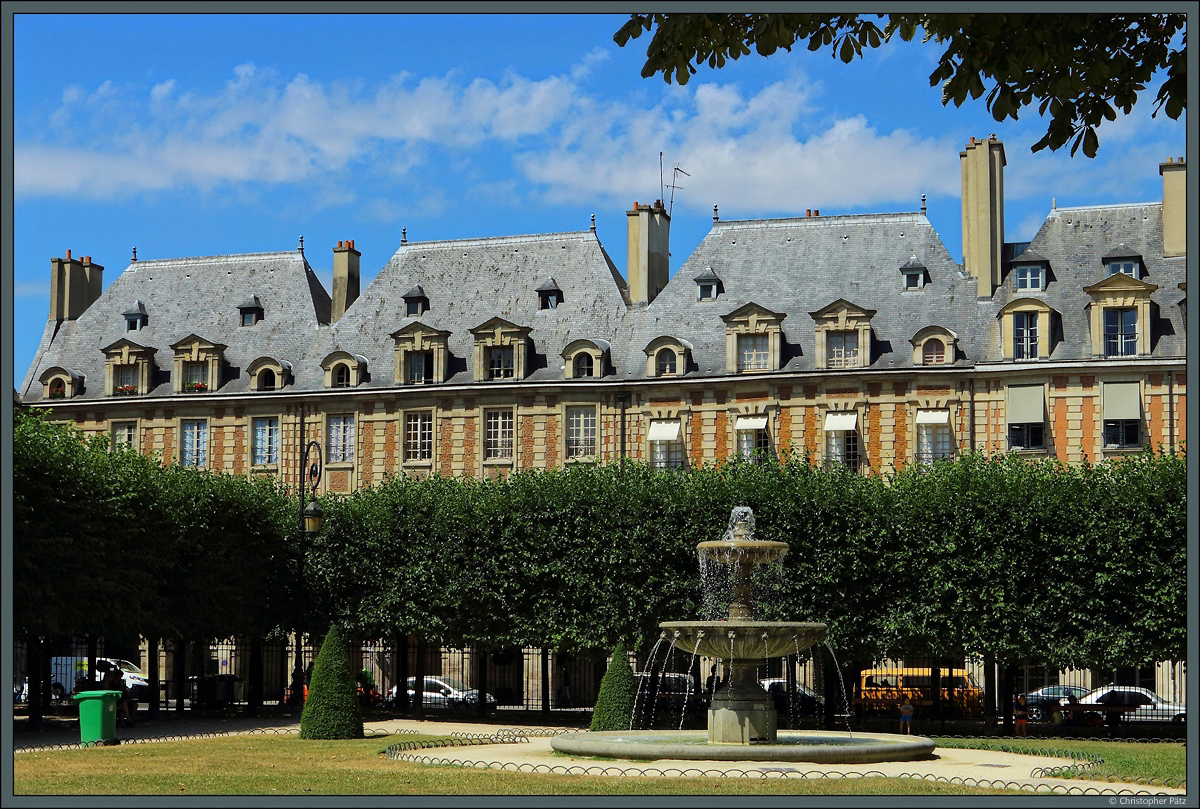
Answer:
(1018, 560)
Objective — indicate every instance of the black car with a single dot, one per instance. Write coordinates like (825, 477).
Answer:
(805, 702)
(1045, 701)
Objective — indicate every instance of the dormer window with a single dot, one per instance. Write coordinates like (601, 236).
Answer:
(197, 366)
(1119, 316)
(1030, 277)
(500, 350)
(128, 368)
(344, 370)
(934, 345)
(708, 285)
(753, 339)
(420, 355)
(268, 374)
(667, 356)
(933, 352)
(1026, 332)
(584, 365)
(914, 274)
(416, 303)
(341, 375)
(61, 383)
(843, 335)
(665, 363)
(549, 295)
(250, 311)
(500, 362)
(1122, 261)
(135, 318)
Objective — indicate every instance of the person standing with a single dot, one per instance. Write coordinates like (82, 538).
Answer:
(906, 715)
(1021, 717)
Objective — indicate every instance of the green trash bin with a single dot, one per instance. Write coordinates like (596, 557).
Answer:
(97, 716)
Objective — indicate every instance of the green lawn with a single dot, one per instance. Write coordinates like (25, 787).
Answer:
(288, 765)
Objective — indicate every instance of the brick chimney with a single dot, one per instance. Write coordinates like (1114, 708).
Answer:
(982, 166)
(647, 258)
(345, 278)
(75, 285)
(1174, 206)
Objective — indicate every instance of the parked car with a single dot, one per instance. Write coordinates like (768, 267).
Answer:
(1148, 706)
(1045, 701)
(443, 692)
(68, 675)
(675, 690)
(805, 702)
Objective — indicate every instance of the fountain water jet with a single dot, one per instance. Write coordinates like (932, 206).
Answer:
(742, 724)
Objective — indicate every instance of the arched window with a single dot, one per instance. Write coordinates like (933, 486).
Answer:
(341, 375)
(57, 389)
(584, 365)
(933, 352)
(666, 362)
(266, 379)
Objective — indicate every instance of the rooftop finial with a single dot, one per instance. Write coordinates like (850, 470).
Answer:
(922, 204)
(714, 214)
(300, 246)
(593, 223)
(134, 257)
(403, 235)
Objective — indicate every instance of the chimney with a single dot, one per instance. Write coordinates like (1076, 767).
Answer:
(982, 165)
(345, 278)
(74, 286)
(647, 259)
(1174, 206)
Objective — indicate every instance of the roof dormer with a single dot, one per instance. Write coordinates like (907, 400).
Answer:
(250, 311)
(843, 335)
(1030, 272)
(500, 350)
(708, 285)
(135, 317)
(753, 339)
(549, 295)
(1122, 261)
(416, 302)
(915, 274)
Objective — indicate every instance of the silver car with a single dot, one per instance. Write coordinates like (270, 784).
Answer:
(1146, 705)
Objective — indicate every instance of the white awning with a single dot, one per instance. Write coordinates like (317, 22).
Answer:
(663, 430)
(751, 422)
(1026, 404)
(841, 421)
(1122, 400)
(933, 417)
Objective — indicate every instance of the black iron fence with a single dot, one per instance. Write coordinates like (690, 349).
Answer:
(172, 675)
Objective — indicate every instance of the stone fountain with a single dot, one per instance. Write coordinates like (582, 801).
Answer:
(742, 724)
(742, 711)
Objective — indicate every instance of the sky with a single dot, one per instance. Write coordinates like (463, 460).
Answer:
(191, 135)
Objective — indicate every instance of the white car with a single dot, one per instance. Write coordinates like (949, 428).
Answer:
(444, 692)
(1148, 706)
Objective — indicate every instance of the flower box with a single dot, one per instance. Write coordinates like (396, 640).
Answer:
(195, 387)
(125, 390)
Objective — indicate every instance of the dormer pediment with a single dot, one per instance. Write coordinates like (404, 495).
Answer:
(419, 332)
(842, 309)
(125, 347)
(753, 314)
(501, 329)
(194, 344)
(1121, 284)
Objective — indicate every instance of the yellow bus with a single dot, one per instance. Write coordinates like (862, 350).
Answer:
(883, 689)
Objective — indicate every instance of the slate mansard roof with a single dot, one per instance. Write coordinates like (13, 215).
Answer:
(790, 266)
(192, 296)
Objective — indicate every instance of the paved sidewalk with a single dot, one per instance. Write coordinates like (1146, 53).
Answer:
(987, 768)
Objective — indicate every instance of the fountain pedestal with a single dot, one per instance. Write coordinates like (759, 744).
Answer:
(742, 711)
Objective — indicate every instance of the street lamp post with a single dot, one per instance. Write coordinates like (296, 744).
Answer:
(311, 516)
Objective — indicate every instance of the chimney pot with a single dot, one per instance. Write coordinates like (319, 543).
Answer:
(68, 254)
(816, 212)
(808, 211)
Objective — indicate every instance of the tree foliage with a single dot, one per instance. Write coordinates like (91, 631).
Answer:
(331, 710)
(1079, 69)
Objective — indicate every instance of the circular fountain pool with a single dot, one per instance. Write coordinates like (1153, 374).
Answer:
(821, 747)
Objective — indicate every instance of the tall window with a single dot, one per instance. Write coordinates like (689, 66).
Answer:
(842, 446)
(752, 352)
(753, 443)
(1122, 433)
(266, 441)
(665, 362)
(124, 434)
(933, 352)
(933, 442)
(418, 436)
(125, 379)
(420, 367)
(195, 374)
(341, 375)
(266, 379)
(340, 443)
(500, 362)
(581, 432)
(1120, 332)
(1026, 435)
(841, 349)
(666, 448)
(1025, 336)
(194, 451)
(584, 365)
(497, 434)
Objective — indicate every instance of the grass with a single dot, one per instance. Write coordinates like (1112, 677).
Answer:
(288, 765)
(1165, 762)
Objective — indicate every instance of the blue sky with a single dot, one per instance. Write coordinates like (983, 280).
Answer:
(189, 135)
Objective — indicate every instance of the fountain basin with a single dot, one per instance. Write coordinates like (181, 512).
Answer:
(743, 640)
(742, 551)
(822, 747)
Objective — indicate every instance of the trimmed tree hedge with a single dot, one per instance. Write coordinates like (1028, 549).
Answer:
(331, 710)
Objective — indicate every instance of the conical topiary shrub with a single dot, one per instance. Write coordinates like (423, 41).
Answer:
(331, 710)
(614, 703)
